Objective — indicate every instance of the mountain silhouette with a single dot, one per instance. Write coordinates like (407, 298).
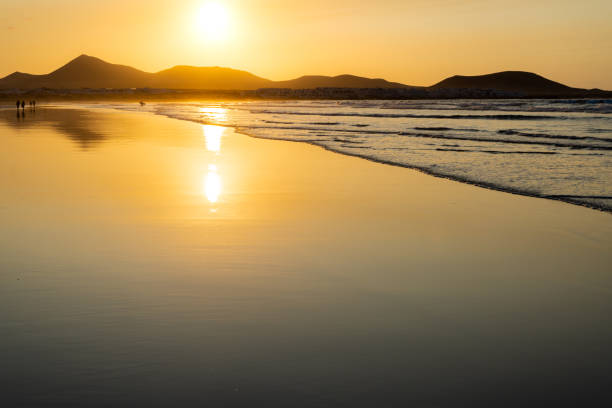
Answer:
(340, 81)
(526, 83)
(82, 72)
(91, 72)
(188, 77)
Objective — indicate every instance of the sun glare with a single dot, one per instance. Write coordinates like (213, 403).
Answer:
(212, 21)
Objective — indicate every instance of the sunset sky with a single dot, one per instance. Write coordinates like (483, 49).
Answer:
(416, 42)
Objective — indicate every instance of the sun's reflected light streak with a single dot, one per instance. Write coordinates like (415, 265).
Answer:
(212, 185)
(212, 181)
(212, 136)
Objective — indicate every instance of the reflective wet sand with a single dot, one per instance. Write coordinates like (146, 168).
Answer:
(147, 260)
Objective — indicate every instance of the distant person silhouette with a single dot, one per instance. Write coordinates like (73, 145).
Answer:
(18, 103)
(22, 105)
(34, 104)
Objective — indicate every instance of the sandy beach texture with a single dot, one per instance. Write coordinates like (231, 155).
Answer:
(147, 260)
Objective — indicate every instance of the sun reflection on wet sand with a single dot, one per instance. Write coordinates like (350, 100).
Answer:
(212, 184)
(212, 180)
(212, 135)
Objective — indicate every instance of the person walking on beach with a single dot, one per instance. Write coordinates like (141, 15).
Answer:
(18, 103)
(22, 105)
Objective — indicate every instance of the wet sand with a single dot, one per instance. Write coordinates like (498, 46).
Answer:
(146, 260)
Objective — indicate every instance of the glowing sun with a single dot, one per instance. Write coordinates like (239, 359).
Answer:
(212, 21)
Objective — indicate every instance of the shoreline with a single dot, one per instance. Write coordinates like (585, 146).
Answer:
(573, 200)
(488, 186)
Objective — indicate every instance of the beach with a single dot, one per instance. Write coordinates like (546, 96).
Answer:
(550, 148)
(149, 260)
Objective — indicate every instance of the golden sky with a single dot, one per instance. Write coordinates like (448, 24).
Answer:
(417, 42)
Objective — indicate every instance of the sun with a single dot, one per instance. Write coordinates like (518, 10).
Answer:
(212, 21)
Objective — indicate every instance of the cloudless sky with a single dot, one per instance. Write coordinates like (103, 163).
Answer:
(416, 42)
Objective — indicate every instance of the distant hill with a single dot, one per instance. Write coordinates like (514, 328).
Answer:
(90, 72)
(81, 72)
(526, 83)
(93, 73)
(340, 81)
(188, 77)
